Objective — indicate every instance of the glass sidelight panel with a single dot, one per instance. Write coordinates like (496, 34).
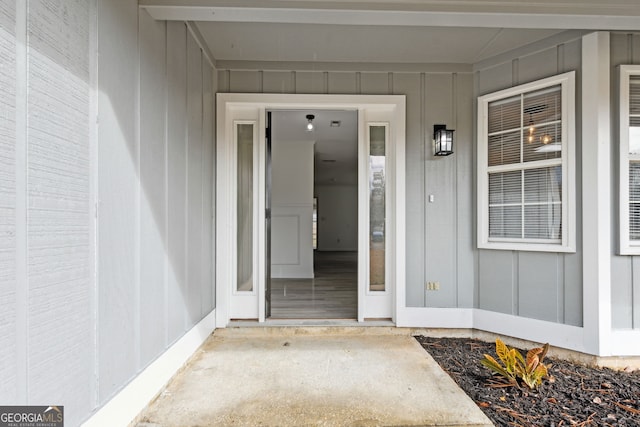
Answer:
(377, 207)
(244, 135)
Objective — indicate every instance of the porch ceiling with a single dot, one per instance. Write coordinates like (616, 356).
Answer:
(375, 31)
(238, 41)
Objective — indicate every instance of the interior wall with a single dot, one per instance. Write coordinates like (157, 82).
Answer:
(625, 270)
(291, 208)
(539, 285)
(436, 250)
(337, 217)
(106, 185)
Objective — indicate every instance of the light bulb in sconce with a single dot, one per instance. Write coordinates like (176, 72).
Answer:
(546, 139)
(310, 118)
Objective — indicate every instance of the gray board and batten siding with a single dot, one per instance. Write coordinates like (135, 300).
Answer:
(155, 216)
(539, 285)
(106, 190)
(625, 269)
(440, 234)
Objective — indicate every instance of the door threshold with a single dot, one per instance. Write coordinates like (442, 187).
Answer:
(308, 322)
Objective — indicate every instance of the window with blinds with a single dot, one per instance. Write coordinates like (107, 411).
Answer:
(630, 159)
(524, 145)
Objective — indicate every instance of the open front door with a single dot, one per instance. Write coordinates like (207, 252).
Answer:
(241, 225)
(243, 203)
(267, 219)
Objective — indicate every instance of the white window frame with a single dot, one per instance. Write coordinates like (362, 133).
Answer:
(567, 242)
(627, 246)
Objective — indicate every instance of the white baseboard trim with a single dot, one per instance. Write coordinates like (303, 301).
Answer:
(625, 343)
(421, 317)
(556, 334)
(125, 406)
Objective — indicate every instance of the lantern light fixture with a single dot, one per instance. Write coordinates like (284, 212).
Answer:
(442, 140)
(310, 118)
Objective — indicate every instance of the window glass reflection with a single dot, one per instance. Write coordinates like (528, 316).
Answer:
(377, 179)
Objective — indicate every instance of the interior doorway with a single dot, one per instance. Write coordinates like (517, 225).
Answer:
(312, 169)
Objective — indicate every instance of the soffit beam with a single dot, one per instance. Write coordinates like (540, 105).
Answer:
(543, 14)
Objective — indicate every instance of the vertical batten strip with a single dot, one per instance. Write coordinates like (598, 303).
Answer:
(515, 281)
(476, 254)
(167, 316)
(426, 145)
(454, 176)
(93, 228)
(560, 59)
(137, 320)
(185, 285)
(21, 153)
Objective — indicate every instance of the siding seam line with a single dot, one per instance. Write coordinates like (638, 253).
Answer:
(137, 219)
(95, 201)
(21, 203)
(166, 184)
(425, 150)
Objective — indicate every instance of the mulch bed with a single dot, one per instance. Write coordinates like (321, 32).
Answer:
(573, 395)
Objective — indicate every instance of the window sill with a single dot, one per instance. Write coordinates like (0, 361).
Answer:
(528, 247)
(629, 250)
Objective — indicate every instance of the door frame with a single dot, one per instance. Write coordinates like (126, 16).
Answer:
(230, 107)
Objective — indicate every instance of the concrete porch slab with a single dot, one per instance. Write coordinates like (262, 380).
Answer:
(298, 377)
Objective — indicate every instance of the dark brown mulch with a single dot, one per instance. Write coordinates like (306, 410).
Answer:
(573, 395)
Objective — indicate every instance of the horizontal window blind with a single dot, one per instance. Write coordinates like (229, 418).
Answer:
(525, 202)
(634, 157)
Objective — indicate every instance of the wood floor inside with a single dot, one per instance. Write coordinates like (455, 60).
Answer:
(332, 294)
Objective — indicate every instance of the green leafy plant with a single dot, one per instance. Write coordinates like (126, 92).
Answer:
(514, 368)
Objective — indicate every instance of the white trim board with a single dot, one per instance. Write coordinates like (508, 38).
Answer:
(125, 406)
(232, 107)
(596, 202)
(556, 334)
(421, 317)
(492, 16)
(625, 343)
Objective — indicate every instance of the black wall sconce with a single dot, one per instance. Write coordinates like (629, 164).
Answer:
(442, 140)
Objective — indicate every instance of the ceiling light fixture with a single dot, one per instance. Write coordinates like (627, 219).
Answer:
(310, 118)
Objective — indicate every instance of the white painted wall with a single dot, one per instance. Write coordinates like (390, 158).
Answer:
(337, 217)
(291, 209)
